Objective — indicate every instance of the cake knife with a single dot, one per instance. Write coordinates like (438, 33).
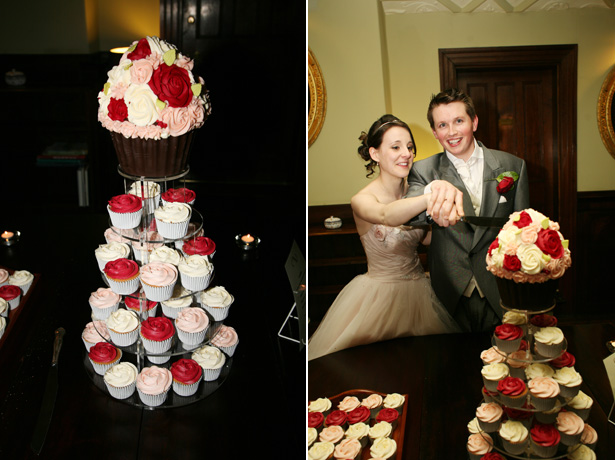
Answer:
(49, 397)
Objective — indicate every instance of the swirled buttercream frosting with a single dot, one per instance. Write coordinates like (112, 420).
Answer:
(512, 386)
(103, 298)
(543, 387)
(569, 423)
(508, 332)
(173, 212)
(489, 412)
(200, 245)
(181, 298)
(383, 448)
(567, 359)
(319, 405)
(145, 189)
(121, 375)
(125, 203)
(347, 448)
(4, 275)
(545, 435)
(192, 319)
(394, 400)
(158, 274)
(112, 251)
(103, 352)
(331, 434)
(216, 296)
(95, 331)
(122, 321)
(549, 335)
(195, 266)
(479, 443)
(157, 328)
(581, 452)
(134, 300)
(581, 401)
(492, 355)
(538, 370)
(494, 371)
(186, 371)
(357, 431)
(372, 401)
(21, 278)
(589, 435)
(121, 269)
(513, 431)
(321, 450)
(165, 254)
(181, 195)
(380, 430)
(358, 414)
(568, 377)
(225, 337)
(9, 292)
(209, 357)
(154, 380)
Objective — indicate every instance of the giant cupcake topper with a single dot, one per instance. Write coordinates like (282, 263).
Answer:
(151, 104)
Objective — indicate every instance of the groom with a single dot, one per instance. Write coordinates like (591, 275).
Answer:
(457, 253)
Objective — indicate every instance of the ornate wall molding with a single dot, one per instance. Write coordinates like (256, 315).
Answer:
(606, 121)
(489, 6)
(317, 98)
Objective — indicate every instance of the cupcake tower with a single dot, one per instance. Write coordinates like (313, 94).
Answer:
(355, 424)
(13, 289)
(532, 404)
(158, 305)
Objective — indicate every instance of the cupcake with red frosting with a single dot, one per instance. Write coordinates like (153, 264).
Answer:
(359, 414)
(492, 456)
(565, 360)
(316, 420)
(388, 415)
(178, 195)
(187, 374)
(201, 245)
(103, 355)
(524, 414)
(337, 417)
(103, 302)
(512, 391)
(153, 384)
(125, 211)
(544, 440)
(543, 320)
(12, 294)
(158, 280)
(136, 300)
(157, 335)
(122, 276)
(508, 337)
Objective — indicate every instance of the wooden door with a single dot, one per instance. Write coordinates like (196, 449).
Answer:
(515, 114)
(526, 100)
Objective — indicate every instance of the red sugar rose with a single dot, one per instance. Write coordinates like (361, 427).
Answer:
(524, 220)
(172, 85)
(549, 242)
(118, 111)
(511, 263)
(141, 51)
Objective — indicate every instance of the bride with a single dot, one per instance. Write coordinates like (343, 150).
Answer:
(394, 298)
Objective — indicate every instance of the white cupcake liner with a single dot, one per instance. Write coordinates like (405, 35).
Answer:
(123, 287)
(543, 451)
(549, 351)
(152, 400)
(156, 346)
(568, 392)
(158, 293)
(209, 375)
(121, 392)
(124, 339)
(25, 287)
(569, 439)
(183, 389)
(490, 427)
(491, 385)
(230, 351)
(103, 313)
(101, 368)
(158, 359)
(172, 231)
(125, 220)
(195, 283)
(172, 312)
(218, 313)
(508, 346)
(191, 338)
(543, 404)
(14, 303)
(514, 448)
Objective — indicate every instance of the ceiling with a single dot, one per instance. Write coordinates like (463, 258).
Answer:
(489, 6)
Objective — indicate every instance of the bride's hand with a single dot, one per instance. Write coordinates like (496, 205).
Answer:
(445, 205)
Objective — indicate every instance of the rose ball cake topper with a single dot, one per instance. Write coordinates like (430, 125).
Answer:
(152, 104)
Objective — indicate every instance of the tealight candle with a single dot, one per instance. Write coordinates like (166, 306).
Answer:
(7, 235)
(247, 238)
(247, 242)
(8, 238)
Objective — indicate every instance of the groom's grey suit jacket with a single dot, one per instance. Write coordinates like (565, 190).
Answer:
(457, 252)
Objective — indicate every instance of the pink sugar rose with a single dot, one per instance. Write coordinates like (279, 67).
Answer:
(178, 120)
(529, 234)
(141, 71)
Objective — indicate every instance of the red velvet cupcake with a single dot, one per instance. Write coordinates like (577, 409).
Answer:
(316, 420)
(508, 337)
(512, 391)
(359, 414)
(565, 360)
(388, 415)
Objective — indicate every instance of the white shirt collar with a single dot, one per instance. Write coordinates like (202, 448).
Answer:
(477, 154)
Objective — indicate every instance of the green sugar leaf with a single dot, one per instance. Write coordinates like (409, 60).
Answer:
(196, 89)
(169, 57)
(106, 88)
(160, 104)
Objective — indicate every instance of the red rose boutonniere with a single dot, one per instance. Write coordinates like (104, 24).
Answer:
(506, 181)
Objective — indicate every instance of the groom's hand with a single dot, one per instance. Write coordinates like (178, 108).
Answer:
(446, 203)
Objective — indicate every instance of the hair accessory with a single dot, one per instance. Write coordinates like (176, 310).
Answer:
(388, 123)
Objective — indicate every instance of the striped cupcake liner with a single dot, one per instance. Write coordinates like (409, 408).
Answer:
(124, 339)
(158, 293)
(152, 400)
(195, 283)
(218, 313)
(121, 392)
(123, 287)
(125, 220)
(191, 339)
(101, 368)
(183, 389)
(172, 231)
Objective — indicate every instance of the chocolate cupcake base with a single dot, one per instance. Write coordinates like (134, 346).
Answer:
(527, 296)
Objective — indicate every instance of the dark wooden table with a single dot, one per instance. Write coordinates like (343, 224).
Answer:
(263, 393)
(441, 375)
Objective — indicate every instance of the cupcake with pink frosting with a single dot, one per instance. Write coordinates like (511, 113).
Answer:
(153, 384)
(348, 403)
(489, 416)
(478, 445)
(226, 339)
(125, 211)
(103, 302)
(334, 434)
(4, 276)
(492, 355)
(187, 374)
(119, 235)
(589, 437)
(543, 392)
(570, 427)
(158, 280)
(348, 448)
(157, 334)
(94, 332)
(192, 324)
(373, 402)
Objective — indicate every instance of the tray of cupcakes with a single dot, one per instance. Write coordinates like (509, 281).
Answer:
(15, 289)
(357, 424)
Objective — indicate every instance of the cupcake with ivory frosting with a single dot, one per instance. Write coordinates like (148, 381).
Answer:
(94, 332)
(211, 360)
(165, 254)
(321, 450)
(4, 308)
(380, 430)
(312, 436)
(493, 373)
(534, 370)
(148, 192)
(195, 272)
(181, 298)
(569, 381)
(142, 248)
(394, 401)
(121, 380)
(172, 220)
(2, 325)
(103, 355)
(581, 405)
(153, 384)
(383, 448)
(158, 280)
(103, 302)
(123, 327)
(187, 374)
(581, 452)
(125, 211)
(322, 405)
(516, 319)
(122, 275)
(217, 301)
(514, 436)
(23, 279)
(226, 339)
(358, 431)
(111, 251)
(549, 341)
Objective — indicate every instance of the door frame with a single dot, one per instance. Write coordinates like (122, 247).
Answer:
(562, 61)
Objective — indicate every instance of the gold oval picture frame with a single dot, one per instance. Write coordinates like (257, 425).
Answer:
(317, 99)
(605, 112)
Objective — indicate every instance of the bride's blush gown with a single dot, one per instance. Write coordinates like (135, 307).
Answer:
(393, 299)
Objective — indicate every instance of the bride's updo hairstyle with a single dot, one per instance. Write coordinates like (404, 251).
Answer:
(373, 138)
